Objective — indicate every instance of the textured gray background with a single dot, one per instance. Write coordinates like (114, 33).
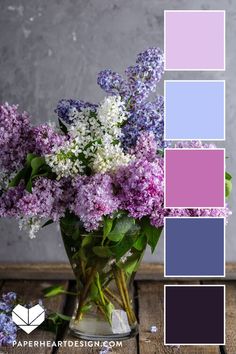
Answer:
(54, 49)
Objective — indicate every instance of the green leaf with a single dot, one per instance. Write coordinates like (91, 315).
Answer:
(141, 242)
(20, 175)
(62, 127)
(53, 291)
(153, 234)
(87, 240)
(76, 233)
(228, 187)
(29, 186)
(123, 246)
(54, 321)
(36, 163)
(102, 251)
(108, 308)
(93, 292)
(29, 158)
(48, 223)
(228, 176)
(86, 308)
(61, 316)
(132, 262)
(107, 225)
(228, 184)
(122, 226)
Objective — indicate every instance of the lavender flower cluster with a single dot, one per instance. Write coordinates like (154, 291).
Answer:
(142, 79)
(7, 327)
(15, 139)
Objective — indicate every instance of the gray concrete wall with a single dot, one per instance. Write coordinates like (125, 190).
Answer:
(54, 49)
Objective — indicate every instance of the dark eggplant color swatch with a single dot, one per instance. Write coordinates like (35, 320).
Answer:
(194, 314)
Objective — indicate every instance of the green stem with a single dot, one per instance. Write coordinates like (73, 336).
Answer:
(100, 289)
(70, 293)
(122, 294)
(126, 293)
(85, 292)
(113, 296)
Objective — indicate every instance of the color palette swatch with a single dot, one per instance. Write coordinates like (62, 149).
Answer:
(194, 40)
(194, 110)
(194, 247)
(194, 314)
(194, 178)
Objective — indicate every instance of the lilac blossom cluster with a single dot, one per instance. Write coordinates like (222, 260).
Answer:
(45, 201)
(147, 118)
(15, 142)
(142, 79)
(46, 139)
(7, 327)
(18, 138)
(66, 108)
(94, 198)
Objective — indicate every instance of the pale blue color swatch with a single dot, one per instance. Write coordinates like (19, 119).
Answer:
(194, 110)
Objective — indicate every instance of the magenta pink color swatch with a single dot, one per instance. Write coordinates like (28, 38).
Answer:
(194, 178)
(194, 40)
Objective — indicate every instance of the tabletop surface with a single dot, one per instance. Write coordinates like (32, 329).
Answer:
(148, 297)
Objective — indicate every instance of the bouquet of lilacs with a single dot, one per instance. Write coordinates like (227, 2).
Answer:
(100, 173)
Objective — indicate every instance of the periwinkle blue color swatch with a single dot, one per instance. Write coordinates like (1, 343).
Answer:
(194, 110)
(194, 246)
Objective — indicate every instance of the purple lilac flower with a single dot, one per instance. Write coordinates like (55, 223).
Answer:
(7, 330)
(146, 147)
(142, 78)
(220, 212)
(94, 198)
(15, 137)
(195, 144)
(10, 199)
(148, 118)
(8, 301)
(112, 82)
(158, 213)
(140, 186)
(145, 74)
(46, 139)
(65, 107)
(157, 216)
(45, 201)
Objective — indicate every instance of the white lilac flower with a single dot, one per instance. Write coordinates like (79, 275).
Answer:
(94, 141)
(111, 113)
(30, 225)
(109, 158)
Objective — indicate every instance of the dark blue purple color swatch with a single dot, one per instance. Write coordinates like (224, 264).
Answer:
(194, 314)
(194, 246)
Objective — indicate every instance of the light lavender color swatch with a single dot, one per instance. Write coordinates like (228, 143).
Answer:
(194, 40)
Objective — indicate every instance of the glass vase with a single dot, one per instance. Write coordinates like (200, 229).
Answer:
(104, 306)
